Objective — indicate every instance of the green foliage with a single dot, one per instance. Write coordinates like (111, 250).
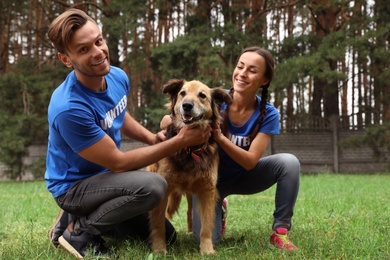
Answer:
(295, 60)
(24, 97)
(116, 25)
(15, 135)
(37, 168)
(177, 59)
(152, 114)
(377, 137)
(12, 149)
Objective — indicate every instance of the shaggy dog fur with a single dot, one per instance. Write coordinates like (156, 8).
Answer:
(192, 171)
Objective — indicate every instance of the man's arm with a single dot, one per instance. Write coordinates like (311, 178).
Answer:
(134, 130)
(105, 153)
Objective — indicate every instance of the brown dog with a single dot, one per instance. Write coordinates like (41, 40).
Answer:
(193, 170)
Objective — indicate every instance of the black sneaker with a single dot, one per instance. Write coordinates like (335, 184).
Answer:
(82, 244)
(56, 229)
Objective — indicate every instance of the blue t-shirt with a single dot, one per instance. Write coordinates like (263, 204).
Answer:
(79, 117)
(240, 136)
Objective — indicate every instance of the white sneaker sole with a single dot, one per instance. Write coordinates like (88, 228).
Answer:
(68, 247)
(53, 225)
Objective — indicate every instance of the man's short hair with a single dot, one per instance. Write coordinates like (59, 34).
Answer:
(62, 28)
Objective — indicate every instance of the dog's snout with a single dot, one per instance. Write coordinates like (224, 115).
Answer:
(187, 106)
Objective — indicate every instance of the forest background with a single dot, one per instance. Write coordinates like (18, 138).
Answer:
(332, 60)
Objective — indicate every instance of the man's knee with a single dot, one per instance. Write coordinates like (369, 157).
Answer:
(157, 186)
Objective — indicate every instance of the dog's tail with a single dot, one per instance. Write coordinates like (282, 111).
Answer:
(152, 167)
(174, 200)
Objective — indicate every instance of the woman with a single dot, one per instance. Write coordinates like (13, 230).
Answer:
(248, 125)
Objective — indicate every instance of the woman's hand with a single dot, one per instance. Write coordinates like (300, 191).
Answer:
(161, 136)
(165, 122)
(217, 133)
(190, 136)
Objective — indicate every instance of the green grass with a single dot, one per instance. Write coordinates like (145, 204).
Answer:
(336, 217)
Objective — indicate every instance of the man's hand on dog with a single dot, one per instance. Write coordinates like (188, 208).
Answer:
(194, 136)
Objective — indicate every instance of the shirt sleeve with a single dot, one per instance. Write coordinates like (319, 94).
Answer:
(78, 129)
(270, 125)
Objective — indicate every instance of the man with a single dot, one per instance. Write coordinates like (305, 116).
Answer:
(90, 178)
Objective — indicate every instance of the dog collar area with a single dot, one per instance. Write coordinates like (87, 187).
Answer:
(195, 152)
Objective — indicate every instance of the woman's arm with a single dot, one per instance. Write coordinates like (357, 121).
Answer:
(247, 159)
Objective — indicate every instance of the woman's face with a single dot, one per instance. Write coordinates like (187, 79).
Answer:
(248, 76)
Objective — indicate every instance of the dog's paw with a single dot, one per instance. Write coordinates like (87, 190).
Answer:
(160, 252)
(159, 249)
(207, 249)
(212, 252)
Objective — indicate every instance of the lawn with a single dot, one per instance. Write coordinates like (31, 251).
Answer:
(337, 216)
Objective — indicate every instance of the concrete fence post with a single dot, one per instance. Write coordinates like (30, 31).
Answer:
(334, 120)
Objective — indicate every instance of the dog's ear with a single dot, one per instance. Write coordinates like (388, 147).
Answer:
(219, 96)
(173, 86)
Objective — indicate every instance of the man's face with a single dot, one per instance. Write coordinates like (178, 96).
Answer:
(87, 53)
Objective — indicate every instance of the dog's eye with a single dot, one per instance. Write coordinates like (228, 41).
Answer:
(183, 93)
(202, 95)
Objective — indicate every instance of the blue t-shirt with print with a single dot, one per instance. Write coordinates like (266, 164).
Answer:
(79, 117)
(240, 136)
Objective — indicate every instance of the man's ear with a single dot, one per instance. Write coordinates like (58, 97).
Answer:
(65, 59)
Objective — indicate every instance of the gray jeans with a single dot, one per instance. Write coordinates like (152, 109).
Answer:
(102, 201)
(282, 169)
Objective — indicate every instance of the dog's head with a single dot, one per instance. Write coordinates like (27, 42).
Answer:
(194, 103)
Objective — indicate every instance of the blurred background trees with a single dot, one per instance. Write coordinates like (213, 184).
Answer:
(332, 59)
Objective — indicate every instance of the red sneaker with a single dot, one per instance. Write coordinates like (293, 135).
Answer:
(224, 215)
(280, 240)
